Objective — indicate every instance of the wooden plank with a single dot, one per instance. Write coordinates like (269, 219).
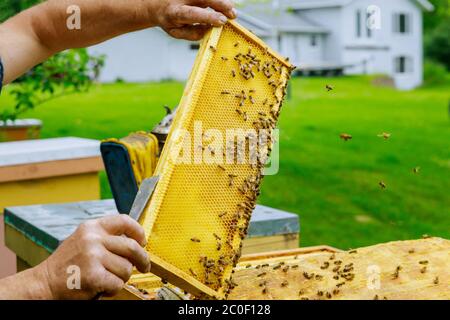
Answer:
(50, 169)
(371, 273)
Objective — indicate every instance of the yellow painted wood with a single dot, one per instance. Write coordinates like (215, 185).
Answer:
(272, 243)
(70, 188)
(26, 250)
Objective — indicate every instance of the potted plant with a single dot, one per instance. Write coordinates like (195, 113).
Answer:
(68, 72)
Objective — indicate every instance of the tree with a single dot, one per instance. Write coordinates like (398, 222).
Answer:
(65, 73)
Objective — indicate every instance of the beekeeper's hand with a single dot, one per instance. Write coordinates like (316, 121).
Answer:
(96, 259)
(190, 19)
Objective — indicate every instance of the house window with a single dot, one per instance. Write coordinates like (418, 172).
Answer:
(358, 23)
(402, 23)
(403, 64)
(368, 30)
(313, 40)
(195, 46)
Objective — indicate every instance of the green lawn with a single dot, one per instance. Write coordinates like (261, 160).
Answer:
(332, 184)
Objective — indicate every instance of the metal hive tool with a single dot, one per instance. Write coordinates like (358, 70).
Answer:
(199, 212)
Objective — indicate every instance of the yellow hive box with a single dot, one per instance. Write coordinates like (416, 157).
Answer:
(200, 209)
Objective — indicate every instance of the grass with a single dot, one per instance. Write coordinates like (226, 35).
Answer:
(331, 184)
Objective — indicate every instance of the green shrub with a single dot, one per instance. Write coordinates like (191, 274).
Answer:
(434, 73)
(437, 44)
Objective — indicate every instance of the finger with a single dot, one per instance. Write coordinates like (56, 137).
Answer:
(188, 15)
(118, 266)
(130, 250)
(111, 284)
(123, 224)
(192, 33)
(224, 6)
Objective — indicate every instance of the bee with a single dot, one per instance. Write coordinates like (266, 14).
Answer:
(340, 284)
(262, 284)
(336, 291)
(384, 135)
(233, 73)
(345, 136)
(423, 270)
(192, 272)
(295, 266)
(213, 49)
(194, 239)
(248, 266)
(396, 273)
(225, 92)
(239, 111)
(332, 257)
(264, 291)
(221, 167)
(336, 277)
(252, 100)
(284, 283)
(436, 280)
(219, 246)
(224, 58)
(338, 262)
(319, 277)
(411, 251)
(329, 87)
(308, 276)
(265, 102)
(376, 297)
(329, 296)
(262, 274)
(320, 293)
(423, 262)
(265, 265)
(222, 214)
(416, 170)
(231, 179)
(301, 292)
(245, 116)
(278, 266)
(236, 44)
(325, 265)
(353, 251)
(285, 269)
(382, 185)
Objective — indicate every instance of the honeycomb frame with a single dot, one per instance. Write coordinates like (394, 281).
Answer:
(197, 218)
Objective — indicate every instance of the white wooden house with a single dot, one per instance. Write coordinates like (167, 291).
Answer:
(320, 36)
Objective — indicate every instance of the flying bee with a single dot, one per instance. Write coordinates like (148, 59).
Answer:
(382, 184)
(384, 135)
(416, 170)
(194, 239)
(345, 136)
(329, 87)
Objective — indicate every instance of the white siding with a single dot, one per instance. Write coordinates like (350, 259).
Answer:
(147, 55)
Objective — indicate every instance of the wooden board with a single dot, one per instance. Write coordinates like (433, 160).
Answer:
(374, 271)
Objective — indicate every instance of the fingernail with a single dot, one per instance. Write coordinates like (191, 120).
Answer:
(223, 19)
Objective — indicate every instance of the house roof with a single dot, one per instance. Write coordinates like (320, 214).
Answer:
(312, 4)
(268, 19)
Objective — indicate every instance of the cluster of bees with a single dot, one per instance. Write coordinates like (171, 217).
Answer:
(245, 65)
